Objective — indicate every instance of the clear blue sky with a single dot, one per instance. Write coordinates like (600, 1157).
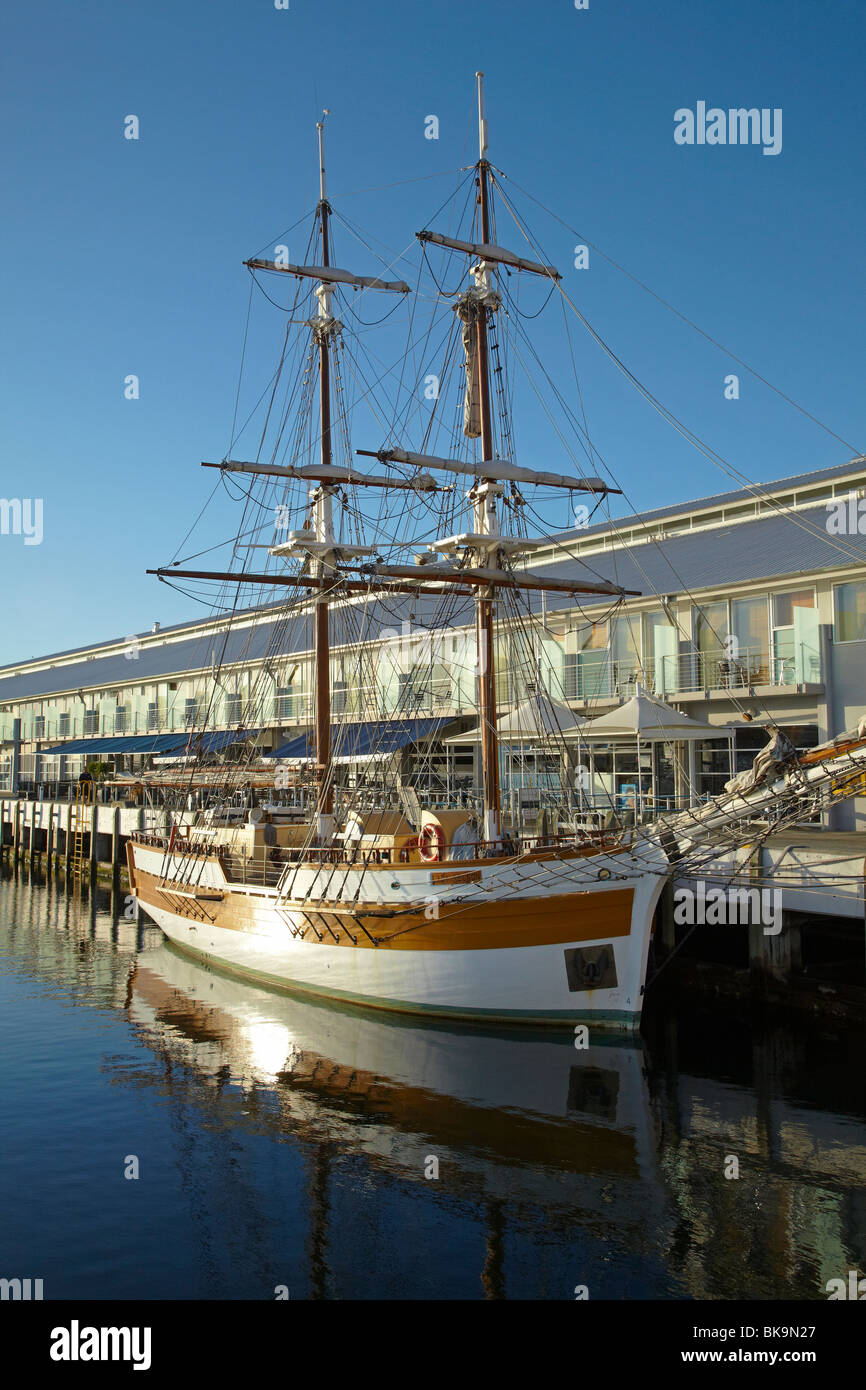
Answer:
(125, 257)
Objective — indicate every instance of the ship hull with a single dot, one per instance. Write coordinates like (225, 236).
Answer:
(528, 957)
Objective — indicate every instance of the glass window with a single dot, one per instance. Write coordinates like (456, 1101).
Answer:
(784, 605)
(658, 632)
(625, 640)
(711, 626)
(749, 624)
(592, 637)
(850, 612)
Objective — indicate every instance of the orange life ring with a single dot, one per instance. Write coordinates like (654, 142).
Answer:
(431, 843)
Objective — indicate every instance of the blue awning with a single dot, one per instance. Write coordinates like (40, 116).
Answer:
(354, 741)
(117, 743)
(211, 742)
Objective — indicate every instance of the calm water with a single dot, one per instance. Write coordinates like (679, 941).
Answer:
(281, 1142)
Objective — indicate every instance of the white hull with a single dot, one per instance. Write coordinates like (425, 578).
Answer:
(522, 984)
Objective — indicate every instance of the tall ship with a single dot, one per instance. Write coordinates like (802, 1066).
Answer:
(356, 889)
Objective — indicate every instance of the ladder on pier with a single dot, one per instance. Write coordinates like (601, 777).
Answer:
(81, 821)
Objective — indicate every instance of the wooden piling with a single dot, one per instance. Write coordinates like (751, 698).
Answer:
(115, 843)
(49, 846)
(94, 840)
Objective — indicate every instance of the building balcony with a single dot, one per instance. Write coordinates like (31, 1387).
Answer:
(705, 675)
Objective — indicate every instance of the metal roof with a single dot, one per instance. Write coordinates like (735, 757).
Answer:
(766, 548)
(756, 492)
(246, 643)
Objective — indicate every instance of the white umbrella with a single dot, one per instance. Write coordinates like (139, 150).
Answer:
(650, 721)
(539, 717)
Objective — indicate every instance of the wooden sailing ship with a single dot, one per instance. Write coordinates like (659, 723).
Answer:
(434, 912)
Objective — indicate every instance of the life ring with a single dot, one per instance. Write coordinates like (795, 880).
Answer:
(407, 849)
(431, 843)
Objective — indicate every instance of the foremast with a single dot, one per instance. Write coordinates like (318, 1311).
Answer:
(319, 546)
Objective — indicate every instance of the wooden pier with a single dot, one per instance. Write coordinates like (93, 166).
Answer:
(44, 833)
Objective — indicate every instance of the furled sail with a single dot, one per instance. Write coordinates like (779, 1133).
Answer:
(468, 308)
(468, 313)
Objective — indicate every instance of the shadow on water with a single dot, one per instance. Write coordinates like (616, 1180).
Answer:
(332, 1151)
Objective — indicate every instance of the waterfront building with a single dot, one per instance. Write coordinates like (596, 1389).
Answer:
(752, 611)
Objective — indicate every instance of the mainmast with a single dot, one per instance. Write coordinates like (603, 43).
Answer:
(483, 496)
(484, 551)
(322, 500)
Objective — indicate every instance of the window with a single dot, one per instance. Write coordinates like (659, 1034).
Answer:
(849, 605)
(660, 651)
(588, 672)
(412, 689)
(233, 709)
(625, 640)
(784, 605)
(91, 721)
(711, 626)
(120, 719)
(795, 637)
(283, 702)
(63, 725)
(153, 716)
(749, 625)
(190, 712)
(39, 726)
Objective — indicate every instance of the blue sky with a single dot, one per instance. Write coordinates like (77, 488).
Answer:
(124, 257)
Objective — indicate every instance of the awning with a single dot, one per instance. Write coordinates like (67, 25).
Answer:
(211, 742)
(118, 743)
(353, 742)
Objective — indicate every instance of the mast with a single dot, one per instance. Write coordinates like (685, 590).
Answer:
(484, 495)
(322, 498)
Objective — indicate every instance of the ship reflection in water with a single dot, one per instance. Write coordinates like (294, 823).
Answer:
(322, 1151)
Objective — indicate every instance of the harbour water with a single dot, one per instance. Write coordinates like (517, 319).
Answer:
(285, 1148)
